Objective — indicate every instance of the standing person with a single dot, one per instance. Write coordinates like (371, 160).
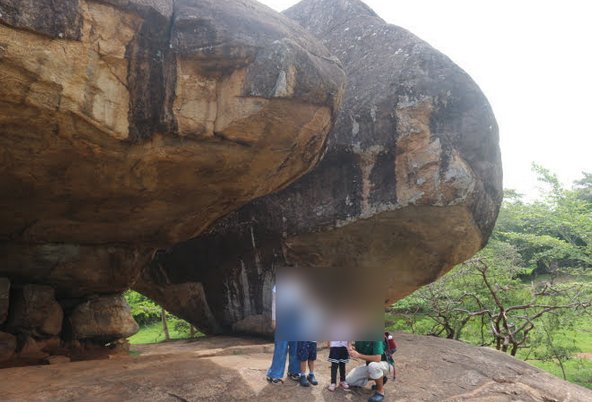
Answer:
(280, 350)
(307, 352)
(376, 368)
(338, 356)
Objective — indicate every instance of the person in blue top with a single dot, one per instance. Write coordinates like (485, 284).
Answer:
(280, 351)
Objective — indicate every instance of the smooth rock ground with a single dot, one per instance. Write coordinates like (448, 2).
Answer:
(233, 369)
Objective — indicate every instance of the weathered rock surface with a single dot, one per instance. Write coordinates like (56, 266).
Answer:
(411, 182)
(7, 345)
(137, 109)
(127, 125)
(106, 318)
(428, 369)
(4, 299)
(35, 311)
(74, 270)
(31, 351)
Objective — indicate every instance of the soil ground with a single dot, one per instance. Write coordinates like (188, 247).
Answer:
(223, 369)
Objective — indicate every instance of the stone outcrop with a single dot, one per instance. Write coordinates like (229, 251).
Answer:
(34, 311)
(104, 319)
(411, 182)
(30, 350)
(130, 125)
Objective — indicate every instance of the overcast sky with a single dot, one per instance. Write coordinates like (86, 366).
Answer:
(532, 59)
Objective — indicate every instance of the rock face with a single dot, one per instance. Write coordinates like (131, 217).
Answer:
(129, 125)
(7, 345)
(4, 299)
(104, 318)
(127, 108)
(411, 182)
(35, 311)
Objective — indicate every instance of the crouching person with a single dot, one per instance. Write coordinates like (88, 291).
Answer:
(376, 368)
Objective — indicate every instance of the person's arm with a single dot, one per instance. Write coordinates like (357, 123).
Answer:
(349, 345)
(329, 344)
(368, 358)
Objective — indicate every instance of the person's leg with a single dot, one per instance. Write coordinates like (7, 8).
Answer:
(358, 377)
(312, 356)
(278, 362)
(342, 381)
(303, 380)
(334, 372)
(294, 365)
(377, 371)
(303, 368)
(379, 385)
(311, 373)
(303, 356)
(341, 371)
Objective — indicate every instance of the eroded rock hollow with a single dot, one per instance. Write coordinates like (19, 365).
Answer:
(131, 125)
(411, 182)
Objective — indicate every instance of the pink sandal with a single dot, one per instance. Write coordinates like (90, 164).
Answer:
(331, 387)
(344, 385)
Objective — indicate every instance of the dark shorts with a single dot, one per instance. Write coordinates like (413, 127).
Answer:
(338, 354)
(307, 351)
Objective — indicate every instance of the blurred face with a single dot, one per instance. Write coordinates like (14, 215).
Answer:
(329, 304)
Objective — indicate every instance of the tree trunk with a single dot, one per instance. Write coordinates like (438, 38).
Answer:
(192, 331)
(514, 350)
(562, 368)
(505, 345)
(165, 327)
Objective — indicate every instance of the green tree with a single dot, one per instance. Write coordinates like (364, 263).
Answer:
(552, 233)
(548, 348)
(144, 310)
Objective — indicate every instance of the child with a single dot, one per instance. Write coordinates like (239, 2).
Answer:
(307, 352)
(338, 356)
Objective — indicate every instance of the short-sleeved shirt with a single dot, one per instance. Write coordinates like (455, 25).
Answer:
(371, 349)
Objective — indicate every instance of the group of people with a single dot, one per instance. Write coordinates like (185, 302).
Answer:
(303, 354)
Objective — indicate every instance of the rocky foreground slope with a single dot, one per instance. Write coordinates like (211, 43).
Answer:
(428, 369)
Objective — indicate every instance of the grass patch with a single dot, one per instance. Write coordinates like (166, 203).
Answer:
(577, 371)
(153, 333)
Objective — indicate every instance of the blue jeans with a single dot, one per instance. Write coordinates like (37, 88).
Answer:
(278, 364)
